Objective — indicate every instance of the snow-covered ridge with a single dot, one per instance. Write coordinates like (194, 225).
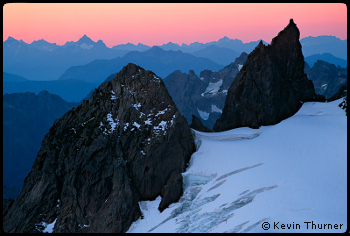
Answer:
(231, 135)
(288, 177)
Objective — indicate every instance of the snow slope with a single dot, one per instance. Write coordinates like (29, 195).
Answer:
(289, 177)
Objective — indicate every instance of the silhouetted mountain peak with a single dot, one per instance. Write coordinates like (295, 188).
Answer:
(85, 39)
(289, 35)
(155, 50)
(267, 90)
(10, 39)
(228, 40)
(100, 159)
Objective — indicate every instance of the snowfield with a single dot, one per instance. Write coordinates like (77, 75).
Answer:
(288, 177)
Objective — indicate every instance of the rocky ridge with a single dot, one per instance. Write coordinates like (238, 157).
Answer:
(326, 77)
(203, 96)
(270, 87)
(126, 144)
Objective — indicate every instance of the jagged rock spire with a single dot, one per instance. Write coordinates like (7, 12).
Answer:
(270, 87)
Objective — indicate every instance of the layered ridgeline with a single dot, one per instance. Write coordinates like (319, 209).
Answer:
(126, 144)
(270, 87)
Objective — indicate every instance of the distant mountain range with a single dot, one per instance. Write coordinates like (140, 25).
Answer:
(326, 57)
(324, 44)
(42, 60)
(69, 90)
(76, 68)
(7, 77)
(225, 42)
(156, 59)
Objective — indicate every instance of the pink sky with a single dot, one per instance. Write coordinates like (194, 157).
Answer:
(157, 24)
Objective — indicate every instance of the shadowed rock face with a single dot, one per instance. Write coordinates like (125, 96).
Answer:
(197, 125)
(127, 143)
(270, 87)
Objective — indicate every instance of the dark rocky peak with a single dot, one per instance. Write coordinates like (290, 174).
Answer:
(198, 125)
(191, 73)
(241, 59)
(271, 85)
(289, 35)
(342, 92)
(127, 143)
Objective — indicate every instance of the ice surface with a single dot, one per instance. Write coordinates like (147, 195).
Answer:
(212, 88)
(148, 121)
(214, 108)
(203, 114)
(113, 97)
(156, 78)
(85, 46)
(126, 125)
(111, 122)
(137, 106)
(136, 125)
(243, 179)
(46, 228)
(163, 111)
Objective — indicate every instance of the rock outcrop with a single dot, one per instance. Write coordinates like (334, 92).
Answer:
(198, 125)
(342, 93)
(126, 144)
(271, 85)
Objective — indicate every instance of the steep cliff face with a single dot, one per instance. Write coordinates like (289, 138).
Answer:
(271, 85)
(125, 144)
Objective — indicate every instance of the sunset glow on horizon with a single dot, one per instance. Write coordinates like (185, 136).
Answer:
(160, 23)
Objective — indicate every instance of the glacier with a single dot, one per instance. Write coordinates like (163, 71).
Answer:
(212, 88)
(288, 177)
